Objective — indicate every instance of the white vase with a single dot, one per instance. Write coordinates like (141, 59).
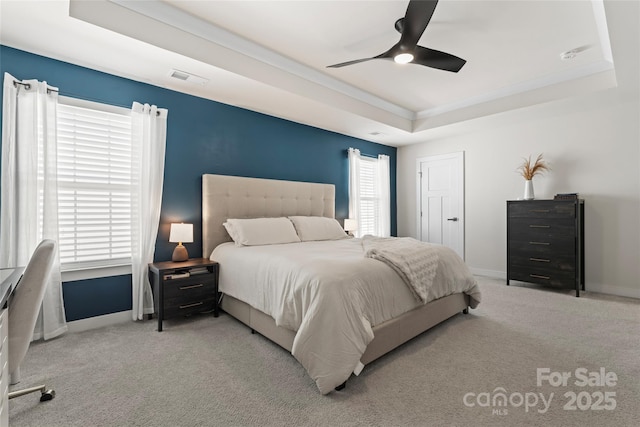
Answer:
(528, 190)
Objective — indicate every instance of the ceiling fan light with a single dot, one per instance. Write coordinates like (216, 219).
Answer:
(403, 58)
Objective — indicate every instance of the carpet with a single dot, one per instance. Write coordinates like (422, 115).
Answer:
(526, 356)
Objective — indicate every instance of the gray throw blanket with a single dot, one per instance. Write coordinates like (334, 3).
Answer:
(415, 261)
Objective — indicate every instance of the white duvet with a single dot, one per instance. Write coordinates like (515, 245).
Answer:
(331, 295)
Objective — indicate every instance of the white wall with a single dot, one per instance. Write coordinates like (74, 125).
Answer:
(593, 145)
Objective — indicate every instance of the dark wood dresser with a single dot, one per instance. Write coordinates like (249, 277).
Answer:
(545, 242)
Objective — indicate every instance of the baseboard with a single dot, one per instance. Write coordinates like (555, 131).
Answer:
(100, 321)
(488, 273)
(613, 290)
(590, 287)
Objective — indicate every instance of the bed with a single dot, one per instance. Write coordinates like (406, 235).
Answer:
(330, 345)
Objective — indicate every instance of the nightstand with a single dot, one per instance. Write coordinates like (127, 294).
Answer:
(182, 288)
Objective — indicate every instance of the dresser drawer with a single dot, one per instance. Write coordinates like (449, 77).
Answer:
(543, 229)
(542, 262)
(541, 209)
(543, 276)
(550, 248)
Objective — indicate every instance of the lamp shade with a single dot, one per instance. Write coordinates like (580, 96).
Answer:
(350, 224)
(181, 233)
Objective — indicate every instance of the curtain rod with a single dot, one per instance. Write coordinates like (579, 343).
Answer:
(99, 101)
(49, 90)
(373, 156)
(28, 86)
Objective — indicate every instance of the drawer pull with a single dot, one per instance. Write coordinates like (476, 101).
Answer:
(539, 226)
(191, 305)
(539, 210)
(539, 243)
(537, 276)
(199, 285)
(539, 260)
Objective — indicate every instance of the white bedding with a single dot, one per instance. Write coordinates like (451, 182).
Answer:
(331, 295)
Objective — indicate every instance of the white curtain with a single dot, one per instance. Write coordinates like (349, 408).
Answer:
(383, 223)
(354, 188)
(149, 129)
(29, 191)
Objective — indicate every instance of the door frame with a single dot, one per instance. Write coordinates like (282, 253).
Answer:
(457, 156)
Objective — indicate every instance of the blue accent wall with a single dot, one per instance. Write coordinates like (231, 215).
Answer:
(95, 297)
(203, 136)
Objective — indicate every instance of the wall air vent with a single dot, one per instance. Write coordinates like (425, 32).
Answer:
(188, 77)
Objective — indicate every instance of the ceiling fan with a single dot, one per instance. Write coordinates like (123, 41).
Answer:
(411, 27)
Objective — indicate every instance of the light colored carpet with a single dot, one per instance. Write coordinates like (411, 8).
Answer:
(205, 371)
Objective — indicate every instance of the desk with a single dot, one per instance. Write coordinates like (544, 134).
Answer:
(9, 278)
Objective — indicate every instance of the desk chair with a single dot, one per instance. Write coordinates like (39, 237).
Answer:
(24, 307)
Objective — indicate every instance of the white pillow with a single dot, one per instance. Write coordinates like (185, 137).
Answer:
(317, 228)
(261, 231)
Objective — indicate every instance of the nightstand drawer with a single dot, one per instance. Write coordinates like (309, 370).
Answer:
(182, 307)
(202, 284)
(541, 209)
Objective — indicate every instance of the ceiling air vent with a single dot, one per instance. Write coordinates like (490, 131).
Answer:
(179, 75)
(188, 77)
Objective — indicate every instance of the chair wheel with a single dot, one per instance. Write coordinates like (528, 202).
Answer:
(47, 395)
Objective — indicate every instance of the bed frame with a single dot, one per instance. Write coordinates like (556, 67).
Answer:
(239, 197)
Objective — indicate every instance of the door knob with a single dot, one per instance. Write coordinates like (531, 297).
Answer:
(455, 218)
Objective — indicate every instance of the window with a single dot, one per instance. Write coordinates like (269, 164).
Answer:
(369, 202)
(369, 193)
(94, 184)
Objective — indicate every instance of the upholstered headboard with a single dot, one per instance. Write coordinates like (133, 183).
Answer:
(226, 197)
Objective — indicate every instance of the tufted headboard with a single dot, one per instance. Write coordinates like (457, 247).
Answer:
(226, 197)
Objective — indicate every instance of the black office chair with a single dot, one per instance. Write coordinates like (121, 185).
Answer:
(24, 307)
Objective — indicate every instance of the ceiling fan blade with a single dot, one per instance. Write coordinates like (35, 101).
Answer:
(436, 59)
(386, 55)
(355, 61)
(416, 19)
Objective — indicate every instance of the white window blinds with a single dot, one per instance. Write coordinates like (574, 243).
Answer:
(367, 223)
(369, 193)
(94, 187)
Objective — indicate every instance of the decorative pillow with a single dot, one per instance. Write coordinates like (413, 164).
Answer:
(317, 228)
(261, 231)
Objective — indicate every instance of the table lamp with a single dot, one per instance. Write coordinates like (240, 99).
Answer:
(350, 225)
(181, 233)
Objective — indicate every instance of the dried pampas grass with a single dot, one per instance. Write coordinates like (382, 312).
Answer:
(528, 170)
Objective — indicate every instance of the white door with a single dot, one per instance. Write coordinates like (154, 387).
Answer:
(441, 200)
